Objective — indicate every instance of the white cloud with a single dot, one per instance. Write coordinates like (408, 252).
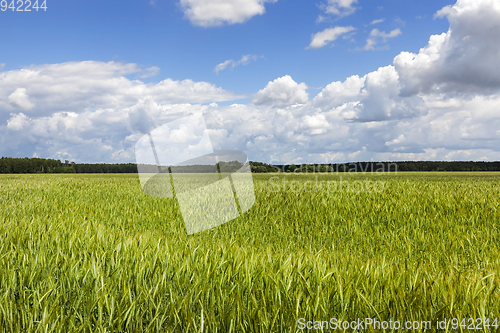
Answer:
(209, 13)
(91, 85)
(375, 33)
(315, 125)
(223, 65)
(245, 60)
(340, 8)
(370, 43)
(283, 91)
(151, 71)
(373, 97)
(384, 35)
(17, 122)
(338, 93)
(464, 59)
(439, 104)
(326, 36)
(79, 108)
(2, 66)
(19, 99)
(377, 21)
(450, 112)
(400, 21)
(321, 19)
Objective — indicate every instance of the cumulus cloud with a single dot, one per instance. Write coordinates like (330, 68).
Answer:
(450, 114)
(90, 85)
(340, 8)
(19, 99)
(315, 124)
(144, 115)
(376, 35)
(2, 66)
(329, 35)
(464, 59)
(283, 91)
(79, 107)
(209, 13)
(245, 60)
(338, 93)
(88, 136)
(373, 97)
(17, 122)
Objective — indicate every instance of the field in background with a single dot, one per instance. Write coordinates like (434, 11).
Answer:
(91, 253)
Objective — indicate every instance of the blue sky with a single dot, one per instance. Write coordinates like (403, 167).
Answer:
(160, 35)
(74, 78)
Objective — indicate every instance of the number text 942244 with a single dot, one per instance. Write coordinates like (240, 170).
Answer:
(23, 5)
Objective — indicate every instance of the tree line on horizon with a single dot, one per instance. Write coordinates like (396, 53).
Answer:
(11, 165)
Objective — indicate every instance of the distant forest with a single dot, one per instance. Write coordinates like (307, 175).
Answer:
(42, 165)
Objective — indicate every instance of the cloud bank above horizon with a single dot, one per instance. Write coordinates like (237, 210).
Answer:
(441, 103)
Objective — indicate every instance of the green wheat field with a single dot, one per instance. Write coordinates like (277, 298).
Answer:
(92, 253)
